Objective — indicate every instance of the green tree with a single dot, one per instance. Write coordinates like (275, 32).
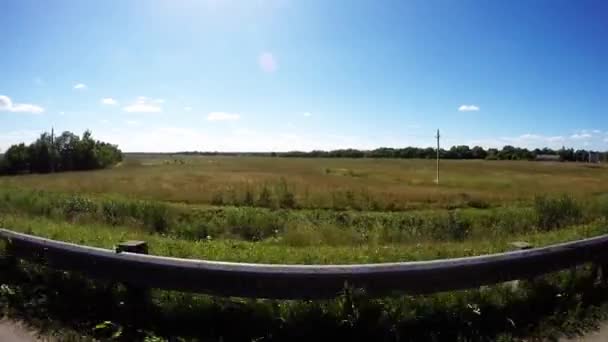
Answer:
(16, 159)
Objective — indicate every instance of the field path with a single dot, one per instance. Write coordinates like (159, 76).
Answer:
(15, 332)
(597, 336)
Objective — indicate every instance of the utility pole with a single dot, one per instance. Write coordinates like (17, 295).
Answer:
(52, 151)
(438, 136)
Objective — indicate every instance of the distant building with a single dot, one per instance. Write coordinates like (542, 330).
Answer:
(547, 157)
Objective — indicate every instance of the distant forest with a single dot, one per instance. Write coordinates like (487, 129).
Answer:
(66, 152)
(455, 152)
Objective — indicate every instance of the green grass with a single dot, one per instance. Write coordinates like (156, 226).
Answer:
(310, 227)
(277, 251)
(311, 211)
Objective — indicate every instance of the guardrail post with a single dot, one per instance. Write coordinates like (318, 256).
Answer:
(9, 259)
(600, 270)
(137, 297)
(517, 246)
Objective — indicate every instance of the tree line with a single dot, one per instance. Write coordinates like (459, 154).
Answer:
(508, 152)
(66, 152)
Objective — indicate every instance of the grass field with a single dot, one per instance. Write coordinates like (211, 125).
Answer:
(362, 184)
(315, 211)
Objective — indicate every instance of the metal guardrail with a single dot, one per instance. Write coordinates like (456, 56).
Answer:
(304, 281)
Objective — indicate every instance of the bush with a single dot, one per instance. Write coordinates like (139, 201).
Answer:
(287, 199)
(77, 205)
(457, 228)
(156, 217)
(115, 212)
(597, 208)
(251, 224)
(552, 213)
(248, 200)
(265, 199)
(217, 199)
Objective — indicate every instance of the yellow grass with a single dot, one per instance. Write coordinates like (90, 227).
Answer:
(330, 183)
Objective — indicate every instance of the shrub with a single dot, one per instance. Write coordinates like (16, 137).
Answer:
(265, 199)
(301, 236)
(156, 217)
(287, 199)
(248, 200)
(116, 212)
(77, 205)
(251, 224)
(217, 199)
(598, 208)
(554, 213)
(478, 203)
(457, 228)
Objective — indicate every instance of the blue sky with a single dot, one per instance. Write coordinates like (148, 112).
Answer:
(260, 75)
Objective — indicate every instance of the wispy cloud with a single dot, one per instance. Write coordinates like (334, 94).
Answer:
(307, 114)
(109, 101)
(468, 108)
(580, 136)
(188, 109)
(7, 105)
(223, 116)
(80, 86)
(268, 62)
(576, 139)
(15, 137)
(144, 105)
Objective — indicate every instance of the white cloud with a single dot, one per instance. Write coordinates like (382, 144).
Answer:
(144, 105)
(596, 131)
(187, 109)
(468, 108)
(15, 137)
(7, 105)
(223, 116)
(580, 136)
(132, 123)
(268, 62)
(109, 101)
(307, 114)
(104, 121)
(80, 86)
(212, 139)
(576, 139)
(529, 136)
